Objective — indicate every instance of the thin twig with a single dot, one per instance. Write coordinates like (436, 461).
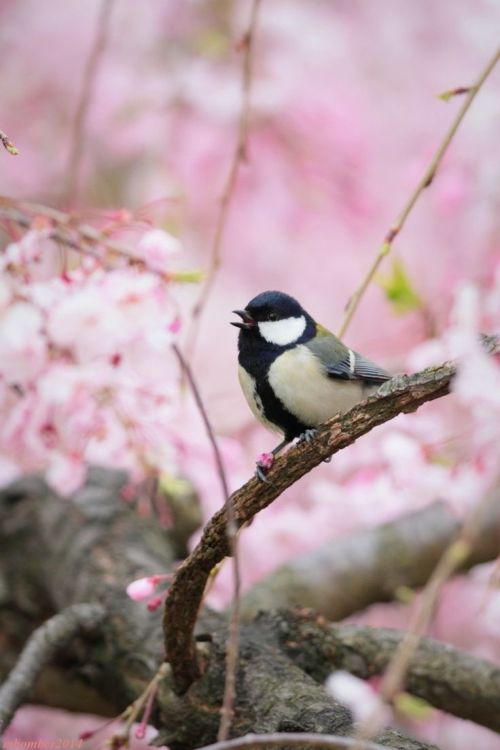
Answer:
(7, 144)
(239, 156)
(401, 394)
(142, 706)
(88, 85)
(83, 238)
(232, 650)
(40, 649)
(426, 180)
(290, 739)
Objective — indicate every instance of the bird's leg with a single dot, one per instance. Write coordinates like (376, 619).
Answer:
(266, 460)
(307, 435)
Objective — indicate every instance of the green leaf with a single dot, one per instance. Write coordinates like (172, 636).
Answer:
(174, 485)
(412, 707)
(404, 594)
(399, 290)
(187, 277)
(212, 43)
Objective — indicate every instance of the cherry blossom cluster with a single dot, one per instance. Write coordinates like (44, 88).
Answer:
(86, 374)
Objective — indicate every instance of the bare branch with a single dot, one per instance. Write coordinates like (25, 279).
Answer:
(7, 144)
(234, 624)
(290, 739)
(89, 79)
(83, 238)
(426, 180)
(401, 394)
(239, 156)
(39, 650)
(448, 678)
(451, 560)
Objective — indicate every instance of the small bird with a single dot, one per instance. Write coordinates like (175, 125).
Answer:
(294, 373)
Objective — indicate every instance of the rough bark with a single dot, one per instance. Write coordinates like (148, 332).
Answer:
(300, 741)
(40, 649)
(350, 573)
(272, 695)
(447, 677)
(57, 553)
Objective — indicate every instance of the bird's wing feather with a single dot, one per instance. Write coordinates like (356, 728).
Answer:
(365, 369)
(333, 355)
(344, 363)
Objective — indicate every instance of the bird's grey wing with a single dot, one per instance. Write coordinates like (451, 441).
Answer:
(365, 369)
(344, 363)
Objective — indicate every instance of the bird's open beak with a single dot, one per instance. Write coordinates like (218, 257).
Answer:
(247, 321)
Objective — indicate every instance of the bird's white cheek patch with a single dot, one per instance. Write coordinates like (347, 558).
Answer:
(282, 332)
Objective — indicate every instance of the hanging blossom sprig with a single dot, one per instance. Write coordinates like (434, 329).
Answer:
(145, 588)
(86, 369)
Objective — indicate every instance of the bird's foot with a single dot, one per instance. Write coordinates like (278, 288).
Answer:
(263, 464)
(307, 436)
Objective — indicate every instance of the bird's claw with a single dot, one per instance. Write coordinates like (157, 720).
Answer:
(264, 463)
(260, 475)
(307, 436)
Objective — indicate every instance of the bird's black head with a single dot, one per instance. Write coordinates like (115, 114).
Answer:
(275, 318)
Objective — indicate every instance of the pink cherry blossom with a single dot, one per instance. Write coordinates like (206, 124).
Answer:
(141, 588)
(66, 473)
(23, 348)
(154, 603)
(360, 697)
(28, 250)
(156, 247)
(266, 460)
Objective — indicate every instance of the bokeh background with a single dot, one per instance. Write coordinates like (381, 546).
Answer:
(344, 119)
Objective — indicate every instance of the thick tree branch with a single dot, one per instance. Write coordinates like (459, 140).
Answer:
(401, 394)
(450, 679)
(274, 695)
(278, 696)
(57, 553)
(39, 650)
(234, 629)
(291, 739)
(351, 572)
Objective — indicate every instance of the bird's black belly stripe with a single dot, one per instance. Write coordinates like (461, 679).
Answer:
(256, 357)
(275, 412)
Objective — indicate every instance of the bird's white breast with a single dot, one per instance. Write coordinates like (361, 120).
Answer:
(299, 380)
(282, 332)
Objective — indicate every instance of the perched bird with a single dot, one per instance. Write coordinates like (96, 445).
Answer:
(294, 373)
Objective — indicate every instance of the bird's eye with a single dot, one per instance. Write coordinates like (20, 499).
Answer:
(272, 316)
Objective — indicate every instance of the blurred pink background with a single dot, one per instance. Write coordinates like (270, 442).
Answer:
(344, 119)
